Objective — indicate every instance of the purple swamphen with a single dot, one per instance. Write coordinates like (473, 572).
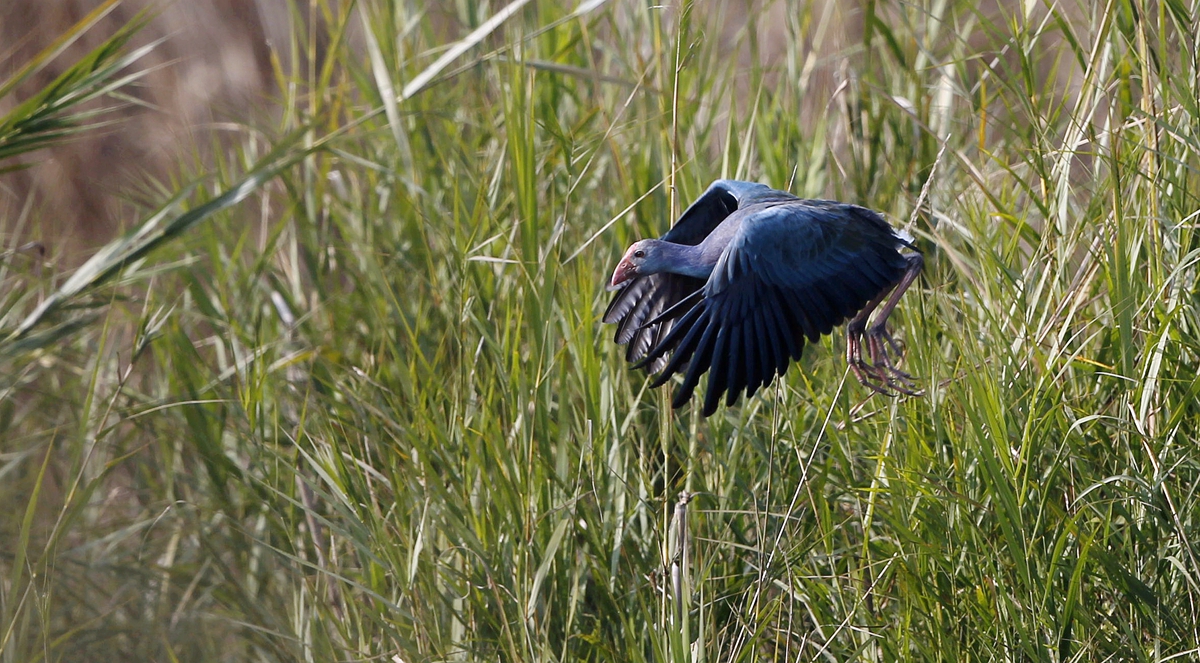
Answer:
(746, 275)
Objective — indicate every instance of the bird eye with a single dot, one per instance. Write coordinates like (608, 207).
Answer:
(639, 254)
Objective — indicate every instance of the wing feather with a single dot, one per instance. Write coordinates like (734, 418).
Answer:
(736, 360)
(641, 301)
(698, 364)
(759, 339)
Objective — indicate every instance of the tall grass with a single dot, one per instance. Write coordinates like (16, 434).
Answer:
(346, 395)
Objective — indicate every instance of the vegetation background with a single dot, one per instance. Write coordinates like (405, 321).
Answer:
(340, 391)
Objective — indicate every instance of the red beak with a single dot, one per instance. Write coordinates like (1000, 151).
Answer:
(624, 272)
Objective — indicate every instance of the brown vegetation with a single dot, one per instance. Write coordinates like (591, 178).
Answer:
(213, 64)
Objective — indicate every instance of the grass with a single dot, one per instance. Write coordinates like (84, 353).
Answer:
(345, 395)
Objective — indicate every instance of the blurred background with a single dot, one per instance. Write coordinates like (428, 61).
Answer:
(215, 65)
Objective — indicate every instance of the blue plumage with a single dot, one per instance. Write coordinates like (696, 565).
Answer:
(745, 276)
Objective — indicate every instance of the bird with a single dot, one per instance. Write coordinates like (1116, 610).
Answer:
(746, 276)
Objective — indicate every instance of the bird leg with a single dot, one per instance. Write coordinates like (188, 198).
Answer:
(865, 373)
(881, 373)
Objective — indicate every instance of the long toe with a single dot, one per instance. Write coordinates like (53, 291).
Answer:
(900, 381)
(880, 373)
(900, 375)
(895, 345)
(877, 384)
(868, 376)
(906, 389)
(853, 348)
(878, 352)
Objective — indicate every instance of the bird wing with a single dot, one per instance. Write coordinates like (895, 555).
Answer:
(643, 300)
(794, 270)
(646, 298)
(722, 198)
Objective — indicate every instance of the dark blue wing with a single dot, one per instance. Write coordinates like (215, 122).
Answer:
(645, 298)
(722, 198)
(793, 271)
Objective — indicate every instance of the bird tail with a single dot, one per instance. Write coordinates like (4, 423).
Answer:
(904, 237)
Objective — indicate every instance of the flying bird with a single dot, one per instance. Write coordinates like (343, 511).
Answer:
(746, 275)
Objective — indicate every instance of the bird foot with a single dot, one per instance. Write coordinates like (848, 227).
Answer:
(880, 373)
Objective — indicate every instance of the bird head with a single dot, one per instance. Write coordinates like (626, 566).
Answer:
(638, 261)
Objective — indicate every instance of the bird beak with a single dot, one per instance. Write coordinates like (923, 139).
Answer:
(624, 272)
